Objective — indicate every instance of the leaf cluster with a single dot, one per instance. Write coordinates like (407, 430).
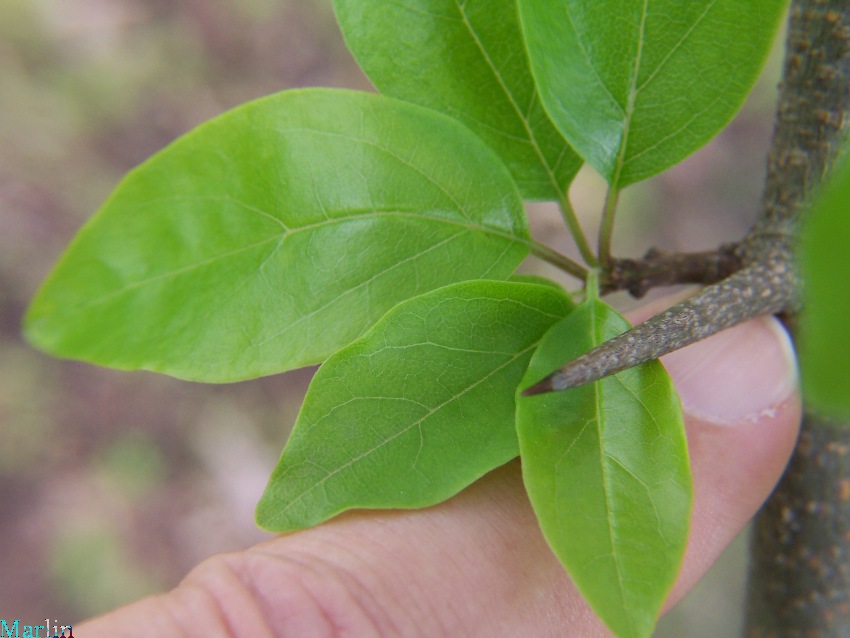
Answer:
(379, 234)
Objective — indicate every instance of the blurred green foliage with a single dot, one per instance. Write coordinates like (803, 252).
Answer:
(93, 571)
(134, 465)
(824, 342)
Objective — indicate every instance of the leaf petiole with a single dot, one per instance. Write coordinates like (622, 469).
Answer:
(559, 260)
(571, 220)
(591, 285)
(606, 230)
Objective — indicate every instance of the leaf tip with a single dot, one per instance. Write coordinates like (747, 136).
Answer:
(267, 517)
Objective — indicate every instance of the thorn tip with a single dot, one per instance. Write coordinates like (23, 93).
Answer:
(540, 387)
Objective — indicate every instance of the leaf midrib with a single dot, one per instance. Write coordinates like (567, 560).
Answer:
(532, 138)
(599, 403)
(628, 114)
(407, 428)
(634, 90)
(280, 237)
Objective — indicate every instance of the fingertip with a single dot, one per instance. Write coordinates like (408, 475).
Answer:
(738, 376)
(742, 408)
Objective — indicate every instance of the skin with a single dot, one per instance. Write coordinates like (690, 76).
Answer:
(477, 564)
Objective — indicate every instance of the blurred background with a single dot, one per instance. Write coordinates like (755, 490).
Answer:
(114, 484)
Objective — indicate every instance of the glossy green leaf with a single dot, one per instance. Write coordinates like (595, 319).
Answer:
(415, 410)
(467, 59)
(277, 233)
(824, 341)
(606, 468)
(537, 279)
(637, 85)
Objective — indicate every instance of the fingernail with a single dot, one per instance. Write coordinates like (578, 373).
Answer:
(737, 376)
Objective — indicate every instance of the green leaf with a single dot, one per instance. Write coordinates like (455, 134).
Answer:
(638, 85)
(277, 233)
(606, 468)
(465, 58)
(415, 410)
(537, 279)
(824, 341)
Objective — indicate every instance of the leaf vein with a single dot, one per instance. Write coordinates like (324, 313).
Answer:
(677, 46)
(416, 423)
(532, 138)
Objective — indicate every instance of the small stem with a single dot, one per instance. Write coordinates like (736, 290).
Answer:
(659, 268)
(606, 230)
(591, 284)
(576, 231)
(558, 260)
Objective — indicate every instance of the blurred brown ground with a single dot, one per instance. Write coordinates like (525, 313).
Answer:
(114, 484)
